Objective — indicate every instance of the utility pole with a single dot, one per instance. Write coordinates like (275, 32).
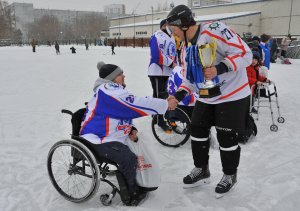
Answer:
(291, 10)
(133, 13)
(152, 19)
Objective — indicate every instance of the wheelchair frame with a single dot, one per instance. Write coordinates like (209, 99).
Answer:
(82, 159)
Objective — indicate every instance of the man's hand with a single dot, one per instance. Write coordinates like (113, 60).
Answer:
(210, 72)
(172, 102)
(133, 135)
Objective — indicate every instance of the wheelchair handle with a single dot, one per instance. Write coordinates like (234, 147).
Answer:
(66, 111)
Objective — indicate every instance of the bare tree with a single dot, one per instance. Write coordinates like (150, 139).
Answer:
(47, 28)
(6, 21)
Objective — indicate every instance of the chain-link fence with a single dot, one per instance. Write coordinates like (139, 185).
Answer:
(294, 50)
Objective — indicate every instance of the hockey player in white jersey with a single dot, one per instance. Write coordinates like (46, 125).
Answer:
(227, 108)
(163, 59)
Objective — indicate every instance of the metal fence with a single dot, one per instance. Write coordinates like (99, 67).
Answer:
(294, 50)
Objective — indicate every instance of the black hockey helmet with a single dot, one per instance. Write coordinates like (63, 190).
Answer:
(181, 16)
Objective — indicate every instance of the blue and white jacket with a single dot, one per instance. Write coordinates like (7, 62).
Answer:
(163, 54)
(174, 82)
(111, 110)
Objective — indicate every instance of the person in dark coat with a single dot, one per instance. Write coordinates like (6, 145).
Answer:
(73, 49)
(113, 48)
(57, 48)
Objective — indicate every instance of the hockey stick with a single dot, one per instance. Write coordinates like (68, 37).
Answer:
(107, 52)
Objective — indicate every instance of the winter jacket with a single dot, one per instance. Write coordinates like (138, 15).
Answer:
(254, 76)
(110, 112)
(163, 54)
(233, 52)
(266, 59)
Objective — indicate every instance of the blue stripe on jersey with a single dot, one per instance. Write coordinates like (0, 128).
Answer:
(140, 107)
(155, 52)
(114, 108)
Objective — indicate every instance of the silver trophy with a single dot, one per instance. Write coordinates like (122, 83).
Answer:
(207, 54)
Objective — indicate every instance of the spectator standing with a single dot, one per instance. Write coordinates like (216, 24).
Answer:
(266, 57)
(284, 46)
(57, 48)
(33, 44)
(113, 48)
(163, 59)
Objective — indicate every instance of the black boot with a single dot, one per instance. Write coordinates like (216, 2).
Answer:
(226, 183)
(138, 196)
(198, 176)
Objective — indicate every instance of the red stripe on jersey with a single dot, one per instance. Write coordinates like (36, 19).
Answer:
(107, 126)
(235, 91)
(186, 88)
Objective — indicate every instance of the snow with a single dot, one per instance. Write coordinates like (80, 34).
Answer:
(34, 87)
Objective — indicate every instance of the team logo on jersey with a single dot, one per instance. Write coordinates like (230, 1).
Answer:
(124, 125)
(130, 98)
(214, 26)
(111, 85)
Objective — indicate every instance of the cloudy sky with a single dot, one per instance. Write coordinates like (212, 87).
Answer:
(97, 5)
(143, 6)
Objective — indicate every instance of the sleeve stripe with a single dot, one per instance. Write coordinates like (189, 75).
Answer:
(144, 108)
(142, 113)
(185, 88)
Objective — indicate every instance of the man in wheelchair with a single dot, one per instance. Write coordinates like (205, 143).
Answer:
(108, 123)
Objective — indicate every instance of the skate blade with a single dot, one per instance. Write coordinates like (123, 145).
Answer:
(220, 195)
(196, 184)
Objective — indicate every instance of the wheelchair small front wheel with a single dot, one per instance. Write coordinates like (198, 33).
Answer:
(274, 128)
(73, 170)
(280, 120)
(104, 198)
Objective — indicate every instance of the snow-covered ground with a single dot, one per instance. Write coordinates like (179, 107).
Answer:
(34, 87)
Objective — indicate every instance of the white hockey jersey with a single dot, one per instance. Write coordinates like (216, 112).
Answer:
(234, 53)
(111, 110)
(163, 54)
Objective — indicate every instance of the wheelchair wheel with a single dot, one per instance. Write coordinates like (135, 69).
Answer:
(73, 170)
(180, 123)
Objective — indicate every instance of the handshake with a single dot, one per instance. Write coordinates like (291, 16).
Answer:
(172, 102)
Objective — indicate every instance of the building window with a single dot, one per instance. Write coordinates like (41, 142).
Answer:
(140, 33)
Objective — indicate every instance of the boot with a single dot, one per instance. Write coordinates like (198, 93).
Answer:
(226, 184)
(198, 176)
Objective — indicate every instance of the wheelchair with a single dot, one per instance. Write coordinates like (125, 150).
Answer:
(76, 172)
(263, 95)
(180, 124)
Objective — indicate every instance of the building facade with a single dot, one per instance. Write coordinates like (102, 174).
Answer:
(254, 16)
(25, 14)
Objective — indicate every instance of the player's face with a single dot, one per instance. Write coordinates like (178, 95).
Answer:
(175, 30)
(120, 79)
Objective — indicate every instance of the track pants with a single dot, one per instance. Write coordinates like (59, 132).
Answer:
(124, 157)
(229, 118)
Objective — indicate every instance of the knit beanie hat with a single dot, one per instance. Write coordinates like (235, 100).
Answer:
(108, 71)
(256, 55)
